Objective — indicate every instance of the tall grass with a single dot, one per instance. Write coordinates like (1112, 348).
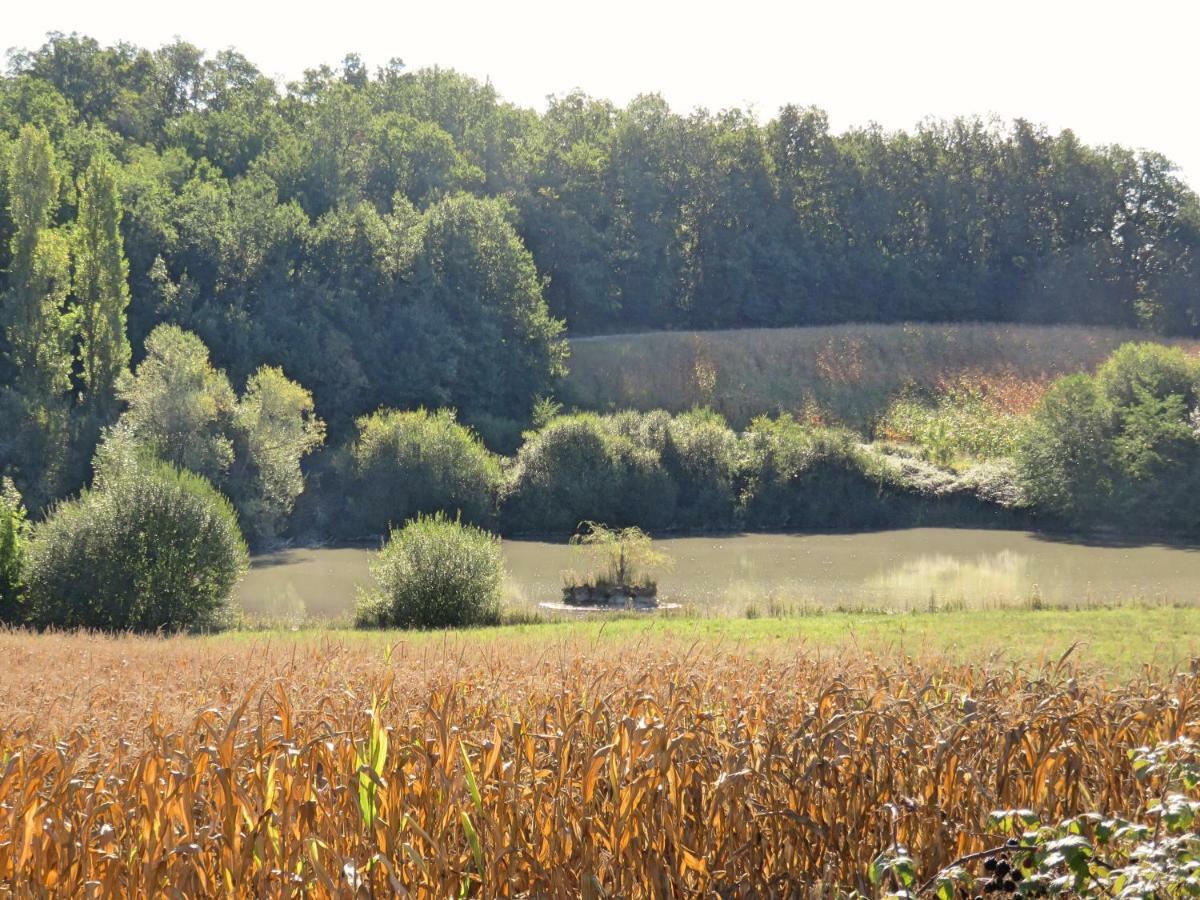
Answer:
(844, 373)
(338, 770)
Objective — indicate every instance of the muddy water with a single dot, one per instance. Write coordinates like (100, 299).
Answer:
(888, 569)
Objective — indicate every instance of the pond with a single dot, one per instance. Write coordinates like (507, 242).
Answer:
(898, 569)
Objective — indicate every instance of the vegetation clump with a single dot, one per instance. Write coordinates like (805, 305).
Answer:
(182, 410)
(435, 572)
(149, 548)
(404, 464)
(14, 533)
(619, 564)
(1120, 447)
(579, 468)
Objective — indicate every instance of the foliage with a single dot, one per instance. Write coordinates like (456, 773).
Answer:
(799, 476)
(13, 537)
(624, 557)
(179, 406)
(1119, 447)
(275, 428)
(579, 468)
(1153, 853)
(435, 572)
(154, 548)
(101, 287)
(403, 464)
(185, 412)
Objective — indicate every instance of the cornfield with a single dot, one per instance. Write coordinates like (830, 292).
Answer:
(840, 374)
(184, 767)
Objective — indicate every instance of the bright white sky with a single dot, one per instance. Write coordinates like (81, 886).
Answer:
(1123, 72)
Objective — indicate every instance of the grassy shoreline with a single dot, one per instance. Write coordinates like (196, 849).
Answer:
(1119, 638)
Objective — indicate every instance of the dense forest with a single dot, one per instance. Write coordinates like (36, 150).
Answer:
(397, 238)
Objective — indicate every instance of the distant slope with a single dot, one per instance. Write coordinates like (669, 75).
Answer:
(845, 373)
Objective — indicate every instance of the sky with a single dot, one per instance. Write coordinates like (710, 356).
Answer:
(1113, 72)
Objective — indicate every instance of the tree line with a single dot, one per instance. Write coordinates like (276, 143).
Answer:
(392, 238)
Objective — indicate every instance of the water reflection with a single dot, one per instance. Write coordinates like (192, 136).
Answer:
(886, 569)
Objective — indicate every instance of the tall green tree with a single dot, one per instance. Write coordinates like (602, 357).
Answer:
(101, 289)
(37, 325)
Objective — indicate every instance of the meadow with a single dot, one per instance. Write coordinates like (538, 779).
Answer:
(842, 374)
(675, 758)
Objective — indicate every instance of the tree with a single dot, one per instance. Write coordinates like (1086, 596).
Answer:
(275, 429)
(101, 289)
(179, 406)
(477, 285)
(182, 410)
(14, 532)
(37, 326)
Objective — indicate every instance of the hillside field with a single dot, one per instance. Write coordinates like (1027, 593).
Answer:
(844, 374)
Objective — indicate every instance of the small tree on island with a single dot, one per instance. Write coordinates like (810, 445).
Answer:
(620, 562)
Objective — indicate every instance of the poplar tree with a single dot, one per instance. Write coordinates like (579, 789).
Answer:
(101, 289)
(37, 325)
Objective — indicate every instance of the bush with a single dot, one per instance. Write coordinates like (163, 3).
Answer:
(435, 572)
(800, 476)
(407, 463)
(155, 548)
(13, 534)
(1118, 448)
(579, 468)
(1134, 371)
(1064, 456)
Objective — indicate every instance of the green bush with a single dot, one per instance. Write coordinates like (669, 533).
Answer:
(1134, 371)
(799, 476)
(698, 452)
(155, 548)
(580, 468)
(435, 572)
(407, 463)
(13, 534)
(1119, 448)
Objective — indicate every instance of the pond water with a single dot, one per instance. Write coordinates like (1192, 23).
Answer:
(898, 569)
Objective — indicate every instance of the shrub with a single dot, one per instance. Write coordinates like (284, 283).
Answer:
(407, 463)
(700, 453)
(1136, 370)
(155, 548)
(799, 476)
(1064, 457)
(435, 572)
(1120, 447)
(13, 534)
(579, 468)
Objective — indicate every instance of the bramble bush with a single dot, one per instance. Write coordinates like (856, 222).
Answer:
(435, 572)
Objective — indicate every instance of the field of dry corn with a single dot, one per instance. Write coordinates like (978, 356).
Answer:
(323, 767)
(844, 374)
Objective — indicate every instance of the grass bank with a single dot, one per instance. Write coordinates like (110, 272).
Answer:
(1119, 639)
